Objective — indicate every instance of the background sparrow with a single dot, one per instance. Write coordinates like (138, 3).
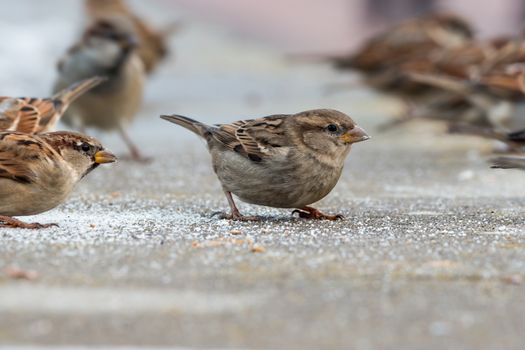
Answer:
(381, 58)
(38, 172)
(105, 51)
(281, 161)
(37, 115)
(153, 46)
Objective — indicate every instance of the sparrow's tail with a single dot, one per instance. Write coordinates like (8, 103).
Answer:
(71, 93)
(192, 125)
(508, 162)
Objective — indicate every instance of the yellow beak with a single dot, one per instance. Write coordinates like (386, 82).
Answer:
(103, 157)
(357, 134)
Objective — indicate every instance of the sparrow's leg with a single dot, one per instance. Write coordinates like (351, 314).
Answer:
(235, 214)
(312, 213)
(6, 221)
(134, 151)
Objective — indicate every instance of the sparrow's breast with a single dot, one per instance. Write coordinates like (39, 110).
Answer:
(280, 183)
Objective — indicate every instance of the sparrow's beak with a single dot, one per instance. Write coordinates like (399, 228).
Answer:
(103, 157)
(357, 134)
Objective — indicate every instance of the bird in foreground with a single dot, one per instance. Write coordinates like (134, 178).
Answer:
(38, 172)
(38, 115)
(106, 51)
(153, 46)
(281, 161)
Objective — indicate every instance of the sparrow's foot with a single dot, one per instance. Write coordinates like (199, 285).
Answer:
(314, 214)
(6, 221)
(236, 216)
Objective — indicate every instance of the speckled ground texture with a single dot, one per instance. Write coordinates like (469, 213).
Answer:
(431, 253)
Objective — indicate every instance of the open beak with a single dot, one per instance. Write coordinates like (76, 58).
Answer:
(103, 157)
(357, 134)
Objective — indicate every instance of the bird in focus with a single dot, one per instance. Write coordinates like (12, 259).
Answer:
(280, 161)
(152, 42)
(107, 51)
(38, 115)
(38, 172)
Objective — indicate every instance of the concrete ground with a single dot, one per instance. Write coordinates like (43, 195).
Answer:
(431, 254)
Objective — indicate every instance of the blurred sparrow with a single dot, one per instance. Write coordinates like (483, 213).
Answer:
(37, 115)
(413, 37)
(281, 161)
(104, 51)
(38, 172)
(153, 47)
(412, 44)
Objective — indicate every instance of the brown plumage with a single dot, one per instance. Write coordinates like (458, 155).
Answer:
(407, 40)
(381, 59)
(38, 172)
(37, 115)
(282, 161)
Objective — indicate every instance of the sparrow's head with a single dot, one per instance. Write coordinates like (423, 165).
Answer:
(83, 153)
(110, 41)
(327, 131)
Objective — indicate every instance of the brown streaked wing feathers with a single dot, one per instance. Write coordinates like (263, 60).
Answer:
(250, 137)
(17, 152)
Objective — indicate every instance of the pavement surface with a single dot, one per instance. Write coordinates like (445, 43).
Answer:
(431, 254)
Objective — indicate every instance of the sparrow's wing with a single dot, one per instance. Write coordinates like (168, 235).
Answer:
(19, 154)
(17, 115)
(254, 138)
(8, 114)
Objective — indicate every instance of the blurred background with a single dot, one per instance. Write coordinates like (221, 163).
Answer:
(340, 25)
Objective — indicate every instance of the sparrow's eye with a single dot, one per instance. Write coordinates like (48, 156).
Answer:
(332, 128)
(85, 147)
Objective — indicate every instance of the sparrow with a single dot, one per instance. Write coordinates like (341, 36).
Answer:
(153, 46)
(38, 115)
(104, 50)
(407, 39)
(381, 58)
(280, 161)
(38, 172)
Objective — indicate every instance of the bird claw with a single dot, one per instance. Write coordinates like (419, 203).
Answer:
(314, 214)
(14, 223)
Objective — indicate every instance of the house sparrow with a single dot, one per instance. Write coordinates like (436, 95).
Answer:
(407, 39)
(104, 51)
(153, 46)
(281, 161)
(38, 172)
(37, 115)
